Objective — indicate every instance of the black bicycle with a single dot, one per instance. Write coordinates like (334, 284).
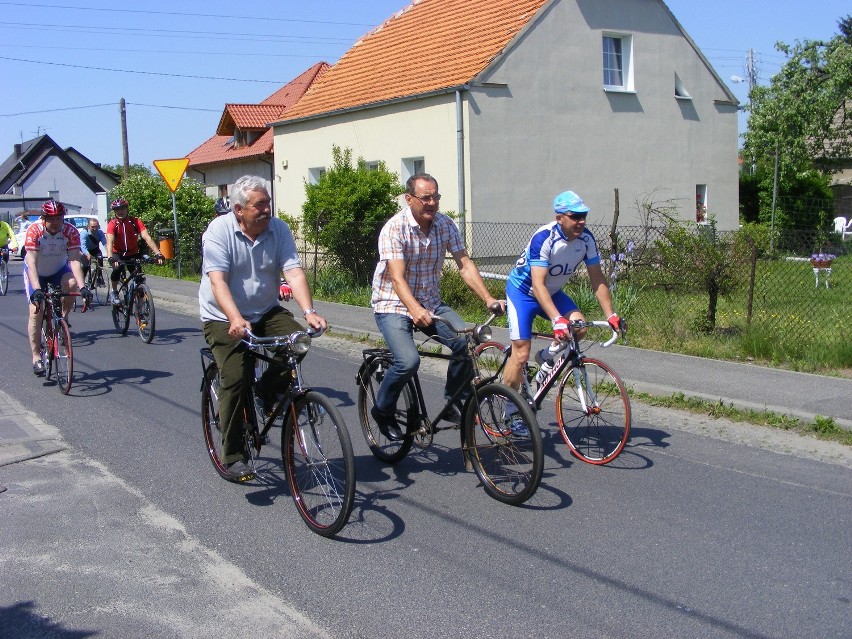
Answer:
(508, 462)
(135, 299)
(95, 277)
(592, 405)
(4, 270)
(315, 446)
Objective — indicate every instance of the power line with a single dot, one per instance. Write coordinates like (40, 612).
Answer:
(109, 104)
(230, 54)
(172, 75)
(192, 15)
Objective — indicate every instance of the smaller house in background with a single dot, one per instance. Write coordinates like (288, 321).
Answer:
(39, 169)
(243, 143)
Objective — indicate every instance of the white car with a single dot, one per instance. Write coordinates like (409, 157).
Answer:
(80, 220)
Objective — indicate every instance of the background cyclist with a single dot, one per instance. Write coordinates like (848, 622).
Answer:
(535, 284)
(7, 239)
(122, 242)
(53, 256)
(90, 248)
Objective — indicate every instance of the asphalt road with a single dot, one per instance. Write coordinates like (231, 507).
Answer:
(130, 533)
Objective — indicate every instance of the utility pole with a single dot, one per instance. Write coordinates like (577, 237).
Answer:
(751, 70)
(123, 111)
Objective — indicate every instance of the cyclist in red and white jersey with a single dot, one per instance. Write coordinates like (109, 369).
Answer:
(122, 242)
(52, 256)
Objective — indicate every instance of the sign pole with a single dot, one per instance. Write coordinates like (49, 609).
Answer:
(172, 172)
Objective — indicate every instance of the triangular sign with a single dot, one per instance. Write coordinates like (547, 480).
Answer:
(172, 171)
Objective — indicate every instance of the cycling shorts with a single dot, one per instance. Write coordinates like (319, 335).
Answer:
(44, 280)
(522, 308)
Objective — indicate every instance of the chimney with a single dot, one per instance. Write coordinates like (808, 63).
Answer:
(18, 150)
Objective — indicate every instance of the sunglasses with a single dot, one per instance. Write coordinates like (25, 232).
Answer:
(577, 216)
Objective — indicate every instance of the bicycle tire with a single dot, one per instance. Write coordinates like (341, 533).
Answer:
(509, 466)
(4, 276)
(490, 357)
(407, 413)
(121, 313)
(143, 311)
(598, 434)
(95, 271)
(46, 351)
(63, 356)
(317, 455)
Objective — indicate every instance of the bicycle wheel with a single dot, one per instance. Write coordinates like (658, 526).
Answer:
(46, 350)
(508, 465)
(92, 279)
(407, 413)
(317, 455)
(143, 311)
(121, 313)
(593, 412)
(63, 356)
(210, 417)
(490, 357)
(4, 276)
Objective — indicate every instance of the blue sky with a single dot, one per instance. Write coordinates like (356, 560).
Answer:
(65, 63)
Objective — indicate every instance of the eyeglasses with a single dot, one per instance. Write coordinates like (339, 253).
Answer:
(577, 216)
(425, 199)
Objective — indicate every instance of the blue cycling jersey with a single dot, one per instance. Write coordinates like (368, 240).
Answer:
(549, 248)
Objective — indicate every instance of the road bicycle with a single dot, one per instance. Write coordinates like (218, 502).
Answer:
(135, 299)
(95, 278)
(315, 446)
(4, 270)
(508, 465)
(56, 349)
(592, 405)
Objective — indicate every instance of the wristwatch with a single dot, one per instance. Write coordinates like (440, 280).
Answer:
(309, 311)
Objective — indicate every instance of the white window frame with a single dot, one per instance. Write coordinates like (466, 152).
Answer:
(412, 166)
(620, 62)
(372, 165)
(315, 173)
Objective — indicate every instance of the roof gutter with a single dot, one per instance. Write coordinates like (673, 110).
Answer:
(371, 105)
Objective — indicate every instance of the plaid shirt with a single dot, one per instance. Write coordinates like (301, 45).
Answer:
(402, 238)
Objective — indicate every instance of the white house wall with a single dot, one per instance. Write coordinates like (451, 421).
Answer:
(553, 127)
(425, 128)
(227, 173)
(54, 175)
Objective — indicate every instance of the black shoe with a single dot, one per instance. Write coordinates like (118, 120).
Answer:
(453, 416)
(38, 368)
(239, 472)
(387, 425)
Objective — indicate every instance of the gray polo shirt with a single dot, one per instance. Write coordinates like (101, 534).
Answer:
(253, 268)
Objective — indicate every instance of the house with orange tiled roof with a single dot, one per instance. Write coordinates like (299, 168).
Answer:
(509, 102)
(243, 142)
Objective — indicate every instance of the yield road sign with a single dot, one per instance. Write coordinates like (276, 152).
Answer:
(172, 171)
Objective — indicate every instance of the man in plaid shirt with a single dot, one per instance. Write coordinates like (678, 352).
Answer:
(407, 292)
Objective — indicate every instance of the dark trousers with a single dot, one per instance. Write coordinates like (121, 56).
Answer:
(236, 369)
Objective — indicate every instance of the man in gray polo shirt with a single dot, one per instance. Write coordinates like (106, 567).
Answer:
(245, 253)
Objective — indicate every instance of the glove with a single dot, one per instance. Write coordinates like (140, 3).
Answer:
(614, 321)
(114, 262)
(285, 293)
(37, 297)
(85, 293)
(160, 259)
(560, 328)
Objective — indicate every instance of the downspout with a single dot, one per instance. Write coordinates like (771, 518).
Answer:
(271, 181)
(460, 169)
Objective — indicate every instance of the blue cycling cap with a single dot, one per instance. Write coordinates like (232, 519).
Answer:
(569, 202)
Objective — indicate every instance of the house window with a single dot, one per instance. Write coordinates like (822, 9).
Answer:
(618, 62)
(315, 174)
(412, 166)
(372, 166)
(701, 203)
(680, 91)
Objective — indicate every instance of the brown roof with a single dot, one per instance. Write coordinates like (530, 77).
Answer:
(428, 46)
(253, 117)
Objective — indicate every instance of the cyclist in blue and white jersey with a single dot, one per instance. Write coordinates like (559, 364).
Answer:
(535, 284)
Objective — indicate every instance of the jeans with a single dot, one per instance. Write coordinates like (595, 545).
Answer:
(398, 332)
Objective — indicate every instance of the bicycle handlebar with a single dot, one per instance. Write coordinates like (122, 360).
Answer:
(278, 340)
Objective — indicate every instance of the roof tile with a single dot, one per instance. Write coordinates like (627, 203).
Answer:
(428, 46)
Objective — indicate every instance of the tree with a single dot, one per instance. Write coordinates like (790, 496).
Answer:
(135, 169)
(811, 131)
(151, 201)
(345, 210)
